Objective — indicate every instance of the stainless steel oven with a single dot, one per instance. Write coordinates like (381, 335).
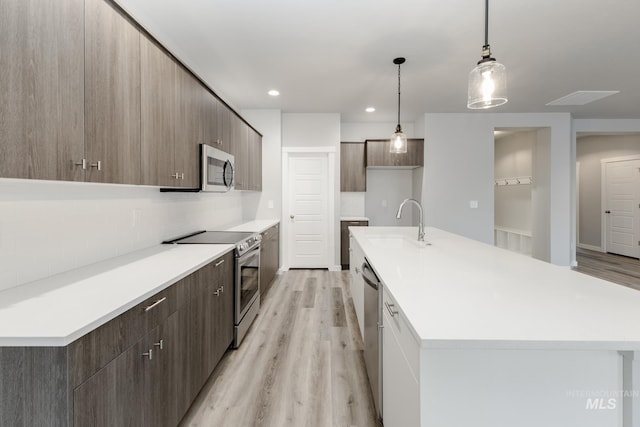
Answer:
(246, 276)
(247, 292)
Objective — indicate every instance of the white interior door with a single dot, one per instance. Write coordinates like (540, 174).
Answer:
(308, 210)
(622, 207)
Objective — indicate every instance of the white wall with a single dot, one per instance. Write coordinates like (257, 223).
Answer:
(50, 227)
(386, 189)
(316, 130)
(541, 198)
(459, 156)
(266, 204)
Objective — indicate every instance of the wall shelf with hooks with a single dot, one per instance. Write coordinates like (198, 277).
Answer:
(517, 180)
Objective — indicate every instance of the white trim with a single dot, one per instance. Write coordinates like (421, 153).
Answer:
(577, 207)
(319, 149)
(620, 159)
(335, 268)
(286, 229)
(590, 247)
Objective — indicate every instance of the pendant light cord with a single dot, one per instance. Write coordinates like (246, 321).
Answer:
(398, 128)
(486, 24)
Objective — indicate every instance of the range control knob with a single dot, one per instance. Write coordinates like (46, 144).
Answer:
(243, 246)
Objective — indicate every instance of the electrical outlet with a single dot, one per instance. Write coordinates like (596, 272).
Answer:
(270, 204)
(473, 204)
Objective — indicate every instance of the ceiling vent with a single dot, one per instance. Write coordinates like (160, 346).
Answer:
(583, 97)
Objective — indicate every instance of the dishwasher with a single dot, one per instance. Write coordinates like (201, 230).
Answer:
(373, 333)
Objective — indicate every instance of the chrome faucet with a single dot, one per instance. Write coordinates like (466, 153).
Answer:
(420, 224)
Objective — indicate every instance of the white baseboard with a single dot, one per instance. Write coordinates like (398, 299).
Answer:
(590, 247)
(335, 268)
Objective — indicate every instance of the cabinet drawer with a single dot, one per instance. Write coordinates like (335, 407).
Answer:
(398, 325)
(94, 350)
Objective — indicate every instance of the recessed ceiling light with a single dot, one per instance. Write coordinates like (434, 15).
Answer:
(370, 109)
(273, 92)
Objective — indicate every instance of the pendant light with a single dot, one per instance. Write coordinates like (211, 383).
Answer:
(488, 80)
(399, 139)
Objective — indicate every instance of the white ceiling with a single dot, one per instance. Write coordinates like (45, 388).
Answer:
(335, 56)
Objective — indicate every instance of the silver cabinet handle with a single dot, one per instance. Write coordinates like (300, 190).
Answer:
(182, 175)
(149, 354)
(222, 288)
(219, 262)
(175, 176)
(218, 291)
(97, 165)
(159, 344)
(392, 312)
(218, 141)
(152, 306)
(82, 163)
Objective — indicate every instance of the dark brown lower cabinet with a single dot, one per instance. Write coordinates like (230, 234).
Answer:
(269, 258)
(344, 240)
(143, 368)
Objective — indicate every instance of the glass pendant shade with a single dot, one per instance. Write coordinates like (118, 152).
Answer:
(398, 142)
(487, 85)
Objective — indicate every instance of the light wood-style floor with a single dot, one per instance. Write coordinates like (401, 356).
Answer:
(301, 364)
(614, 268)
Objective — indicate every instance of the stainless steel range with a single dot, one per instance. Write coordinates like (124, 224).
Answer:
(247, 273)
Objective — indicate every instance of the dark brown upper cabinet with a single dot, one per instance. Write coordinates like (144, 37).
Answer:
(112, 95)
(42, 87)
(353, 172)
(378, 154)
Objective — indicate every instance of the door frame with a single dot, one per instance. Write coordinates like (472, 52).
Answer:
(285, 220)
(603, 193)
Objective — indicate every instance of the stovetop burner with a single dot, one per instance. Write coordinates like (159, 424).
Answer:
(244, 241)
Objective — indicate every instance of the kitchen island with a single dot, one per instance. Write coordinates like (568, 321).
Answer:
(478, 335)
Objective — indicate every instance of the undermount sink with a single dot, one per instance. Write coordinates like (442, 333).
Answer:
(395, 241)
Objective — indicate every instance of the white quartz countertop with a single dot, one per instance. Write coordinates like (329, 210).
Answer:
(460, 293)
(59, 309)
(354, 218)
(255, 226)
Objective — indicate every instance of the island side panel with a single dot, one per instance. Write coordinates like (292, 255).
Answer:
(33, 386)
(524, 388)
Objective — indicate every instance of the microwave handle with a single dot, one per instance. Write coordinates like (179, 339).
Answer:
(228, 165)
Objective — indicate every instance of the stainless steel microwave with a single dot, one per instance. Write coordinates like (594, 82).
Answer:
(216, 171)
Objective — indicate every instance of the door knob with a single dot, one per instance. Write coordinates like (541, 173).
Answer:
(607, 211)
(291, 216)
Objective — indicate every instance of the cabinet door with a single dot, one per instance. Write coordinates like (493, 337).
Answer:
(378, 153)
(161, 375)
(113, 397)
(212, 123)
(225, 128)
(255, 160)
(112, 95)
(189, 128)
(401, 390)
(353, 166)
(269, 258)
(157, 81)
(42, 87)
(200, 329)
(223, 309)
(239, 137)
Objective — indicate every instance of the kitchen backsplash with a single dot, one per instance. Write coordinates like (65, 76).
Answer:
(50, 227)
